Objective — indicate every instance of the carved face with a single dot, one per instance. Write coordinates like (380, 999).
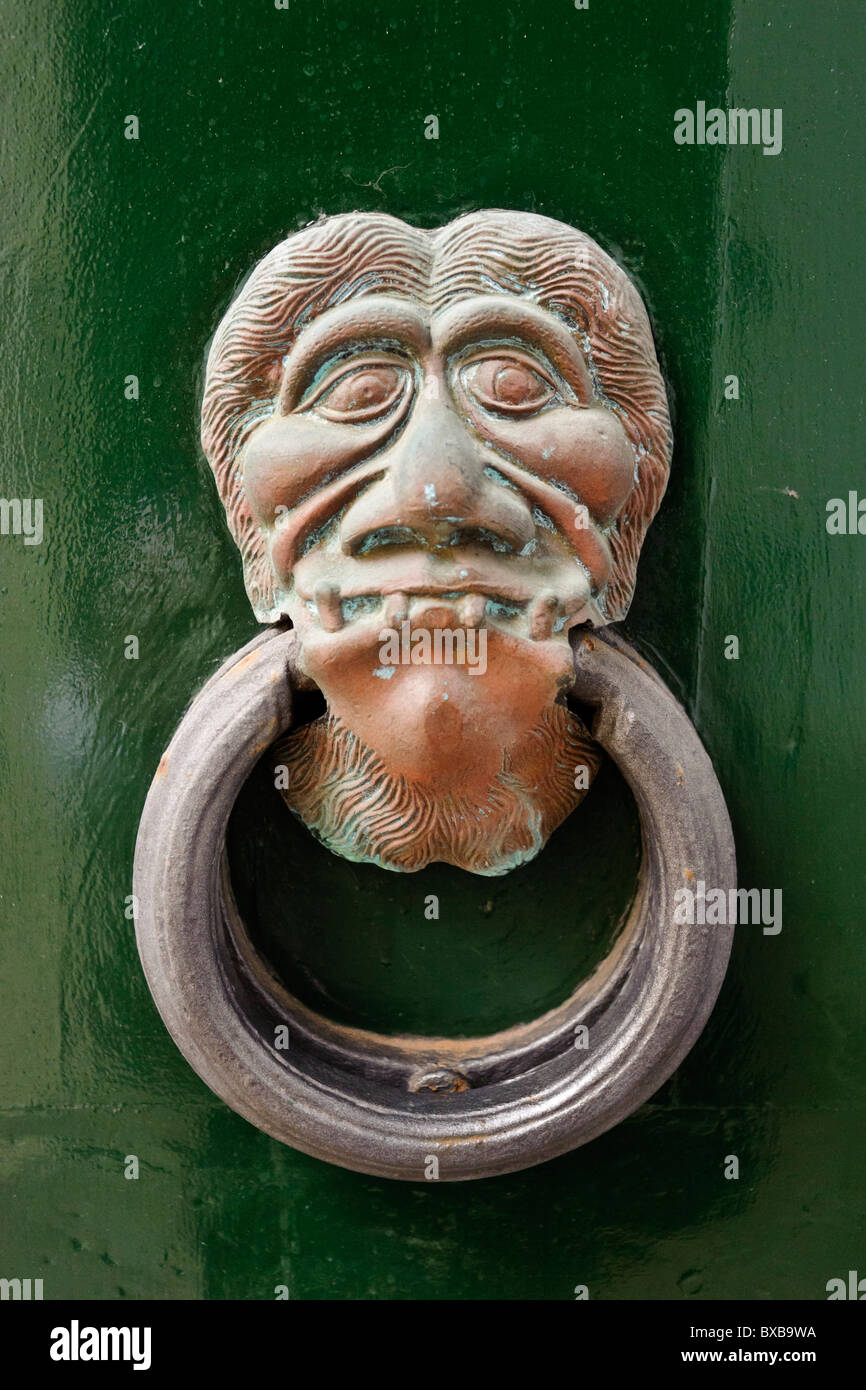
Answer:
(434, 480)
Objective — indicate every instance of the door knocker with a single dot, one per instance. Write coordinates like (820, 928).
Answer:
(439, 453)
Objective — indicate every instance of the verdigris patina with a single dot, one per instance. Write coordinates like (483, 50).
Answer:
(439, 453)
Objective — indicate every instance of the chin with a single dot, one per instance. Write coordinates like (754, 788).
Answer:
(346, 795)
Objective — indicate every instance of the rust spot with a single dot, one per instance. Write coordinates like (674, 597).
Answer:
(681, 777)
(163, 767)
(243, 663)
(259, 748)
(442, 1081)
(689, 875)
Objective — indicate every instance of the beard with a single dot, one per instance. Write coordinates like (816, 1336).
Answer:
(344, 793)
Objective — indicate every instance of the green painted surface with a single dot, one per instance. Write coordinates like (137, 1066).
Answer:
(117, 258)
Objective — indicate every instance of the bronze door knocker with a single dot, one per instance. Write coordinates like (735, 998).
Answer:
(439, 453)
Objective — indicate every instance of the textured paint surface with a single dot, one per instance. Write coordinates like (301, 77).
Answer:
(118, 257)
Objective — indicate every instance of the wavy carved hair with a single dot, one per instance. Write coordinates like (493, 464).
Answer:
(514, 253)
(344, 792)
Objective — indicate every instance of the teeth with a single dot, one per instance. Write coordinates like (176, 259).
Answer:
(396, 609)
(329, 606)
(472, 609)
(542, 616)
(545, 614)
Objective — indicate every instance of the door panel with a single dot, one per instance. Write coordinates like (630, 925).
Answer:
(119, 256)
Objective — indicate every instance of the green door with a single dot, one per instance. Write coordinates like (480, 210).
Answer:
(123, 1177)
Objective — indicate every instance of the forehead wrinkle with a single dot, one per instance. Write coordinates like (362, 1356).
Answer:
(540, 260)
(479, 256)
(387, 257)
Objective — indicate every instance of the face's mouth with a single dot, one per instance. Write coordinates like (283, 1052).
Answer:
(395, 637)
(447, 574)
(537, 617)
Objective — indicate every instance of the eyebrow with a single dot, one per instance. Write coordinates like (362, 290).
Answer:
(372, 321)
(491, 318)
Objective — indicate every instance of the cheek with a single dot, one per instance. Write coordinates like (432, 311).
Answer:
(289, 458)
(587, 451)
(281, 463)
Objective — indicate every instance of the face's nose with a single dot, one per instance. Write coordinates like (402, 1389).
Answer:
(435, 484)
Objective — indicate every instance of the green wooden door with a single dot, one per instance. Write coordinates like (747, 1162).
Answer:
(118, 256)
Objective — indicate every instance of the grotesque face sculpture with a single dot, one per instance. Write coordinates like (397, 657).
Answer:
(439, 453)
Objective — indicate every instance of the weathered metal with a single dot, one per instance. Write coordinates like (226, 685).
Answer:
(425, 440)
(389, 1105)
(439, 452)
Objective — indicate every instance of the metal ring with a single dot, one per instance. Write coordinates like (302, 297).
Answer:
(387, 1105)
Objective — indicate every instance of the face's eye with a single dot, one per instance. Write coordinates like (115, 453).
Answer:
(366, 392)
(507, 385)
